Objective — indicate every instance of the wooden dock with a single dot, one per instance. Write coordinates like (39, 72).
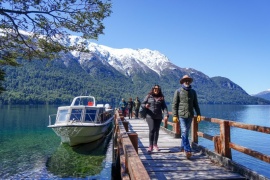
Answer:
(132, 161)
(170, 163)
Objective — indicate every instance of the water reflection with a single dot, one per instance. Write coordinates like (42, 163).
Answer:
(79, 161)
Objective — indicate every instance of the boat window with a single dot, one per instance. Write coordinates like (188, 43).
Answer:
(76, 114)
(90, 114)
(62, 115)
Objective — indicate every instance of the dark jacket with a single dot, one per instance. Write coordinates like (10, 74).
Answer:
(157, 107)
(184, 103)
(130, 104)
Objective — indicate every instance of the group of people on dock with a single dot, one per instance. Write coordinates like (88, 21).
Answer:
(184, 103)
(127, 107)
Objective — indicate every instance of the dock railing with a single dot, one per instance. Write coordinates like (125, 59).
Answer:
(125, 151)
(222, 142)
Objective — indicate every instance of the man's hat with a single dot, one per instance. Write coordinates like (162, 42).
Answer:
(184, 78)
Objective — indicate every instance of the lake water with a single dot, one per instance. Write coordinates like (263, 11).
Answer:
(30, 150)
(248, 114)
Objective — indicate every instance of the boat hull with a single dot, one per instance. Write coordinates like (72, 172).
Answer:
(75, 134)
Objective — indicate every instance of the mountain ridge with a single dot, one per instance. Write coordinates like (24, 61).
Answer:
(264, 94)
(108, 69)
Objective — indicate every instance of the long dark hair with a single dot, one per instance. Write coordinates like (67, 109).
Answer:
(160, 94)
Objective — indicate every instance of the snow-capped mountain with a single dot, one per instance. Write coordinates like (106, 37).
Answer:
(126, 61)
(150, 66)
(111, 73)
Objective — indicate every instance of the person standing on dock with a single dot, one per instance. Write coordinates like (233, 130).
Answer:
(123, 106)
(154, 103)
(184, 103)
(130, 105)
(137, 104)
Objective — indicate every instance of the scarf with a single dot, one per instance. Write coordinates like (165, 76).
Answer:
(186, 88)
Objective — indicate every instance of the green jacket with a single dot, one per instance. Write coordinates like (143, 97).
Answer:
(137, 104)
(184, 103)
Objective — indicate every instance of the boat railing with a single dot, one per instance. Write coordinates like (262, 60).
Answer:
(80, 118)
(103, 117)
(73, 117)
(84, 100)
(50, 118)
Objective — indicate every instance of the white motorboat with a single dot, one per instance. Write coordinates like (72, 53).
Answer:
(82, 122)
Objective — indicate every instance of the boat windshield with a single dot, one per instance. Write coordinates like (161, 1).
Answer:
(62, 115)
(76, 114)
(90, 114)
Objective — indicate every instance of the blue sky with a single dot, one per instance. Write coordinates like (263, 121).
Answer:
(228, 38)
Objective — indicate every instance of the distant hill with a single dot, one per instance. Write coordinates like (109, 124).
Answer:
(264, 94)
(109, 75)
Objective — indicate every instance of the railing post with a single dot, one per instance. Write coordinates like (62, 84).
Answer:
(125, 123)
(134, 140)
(176, 128)
(165, 125)
(225, 139)
(194, 130)
(217, 144)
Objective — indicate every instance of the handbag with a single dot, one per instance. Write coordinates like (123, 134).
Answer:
(142, 112)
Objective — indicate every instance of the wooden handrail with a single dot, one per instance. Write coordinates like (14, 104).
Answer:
(127, 153)
(222, 142)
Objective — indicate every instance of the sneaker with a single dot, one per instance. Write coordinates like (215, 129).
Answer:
(150, 149)
(188, 155)
(156, 148)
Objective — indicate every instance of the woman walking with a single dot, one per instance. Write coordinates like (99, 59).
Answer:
(155, 105)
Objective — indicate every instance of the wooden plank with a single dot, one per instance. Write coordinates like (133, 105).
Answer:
(193, 175)
(133, 164)
(251, 152)
(206, 136)
(257, 128)
(124, 174)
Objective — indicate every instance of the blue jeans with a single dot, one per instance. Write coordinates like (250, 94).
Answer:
(185, 124)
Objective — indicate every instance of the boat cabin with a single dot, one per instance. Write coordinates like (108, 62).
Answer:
(83, 109)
